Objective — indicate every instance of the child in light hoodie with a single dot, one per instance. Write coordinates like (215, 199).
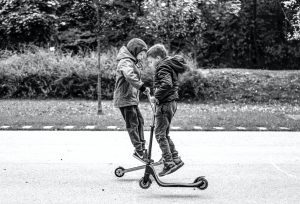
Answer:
(126, 94)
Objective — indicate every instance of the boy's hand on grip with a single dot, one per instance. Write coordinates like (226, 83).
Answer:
(153, 100)
(147, 91)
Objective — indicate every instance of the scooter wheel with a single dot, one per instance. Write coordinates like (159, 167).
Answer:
(204, 183)
(143, 184)
(119, 172)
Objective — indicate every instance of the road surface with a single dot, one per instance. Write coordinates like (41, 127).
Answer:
(78, 167)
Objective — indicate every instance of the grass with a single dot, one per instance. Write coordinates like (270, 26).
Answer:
(81, 113)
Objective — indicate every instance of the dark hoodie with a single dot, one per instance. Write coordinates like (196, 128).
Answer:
(166, 78)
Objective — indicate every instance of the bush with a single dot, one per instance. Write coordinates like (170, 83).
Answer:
(245, 86)
(44, 74)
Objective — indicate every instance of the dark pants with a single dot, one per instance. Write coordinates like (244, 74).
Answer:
(134, 125)
(164, 115)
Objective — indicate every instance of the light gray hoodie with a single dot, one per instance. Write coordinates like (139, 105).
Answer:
(128, 80)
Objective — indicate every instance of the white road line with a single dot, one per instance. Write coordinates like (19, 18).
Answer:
(4, 127)
(241, 128)
(111, 127)
(69, 127)
(284, 128)
(47, 127)
(198, 128)
(219, 128)
(262, 128)
(90, 127)
(176, 128)
(282, 171)
(27, 127)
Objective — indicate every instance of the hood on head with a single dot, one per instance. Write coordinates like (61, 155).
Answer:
(177, 63)
(136, 45)
(124, 53)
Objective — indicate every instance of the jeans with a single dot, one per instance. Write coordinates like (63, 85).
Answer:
(164, 115)
(134, 125)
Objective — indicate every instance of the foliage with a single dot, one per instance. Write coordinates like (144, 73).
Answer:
(27, 21)
(215, 33)
(43, 74)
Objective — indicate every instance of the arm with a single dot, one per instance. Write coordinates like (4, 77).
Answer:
(165, 85)
(127, 68)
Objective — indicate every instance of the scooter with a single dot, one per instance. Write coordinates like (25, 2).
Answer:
(145, 182)
(120, 171)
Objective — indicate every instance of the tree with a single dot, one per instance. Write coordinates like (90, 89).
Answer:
(31, 21)
(174, 23)
(291, 10)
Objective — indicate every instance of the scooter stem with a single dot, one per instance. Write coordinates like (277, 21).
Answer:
(153, 107)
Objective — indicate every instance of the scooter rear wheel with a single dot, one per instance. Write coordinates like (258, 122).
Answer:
(145, 185)
(204, 183)
(119, 172)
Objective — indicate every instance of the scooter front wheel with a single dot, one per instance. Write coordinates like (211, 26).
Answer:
(143, 184)
(119, 172)
(204, 183)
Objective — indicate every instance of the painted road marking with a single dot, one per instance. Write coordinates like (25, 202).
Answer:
(283, 128)
(47, 127)
(241, 128)
(90, 127)
(262, 128)
(27, 127)
(294, 117)
(69, 127)
(176, 128)
(112, 127)
(219, 128)
(282, 171)
(198, 128)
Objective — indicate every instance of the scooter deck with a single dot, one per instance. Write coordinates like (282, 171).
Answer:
(151, 171)
(142, 167)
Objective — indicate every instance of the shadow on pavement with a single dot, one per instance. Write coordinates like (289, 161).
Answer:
(177, 196)
(128, 180)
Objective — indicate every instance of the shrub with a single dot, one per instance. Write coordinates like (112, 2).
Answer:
(43, 74)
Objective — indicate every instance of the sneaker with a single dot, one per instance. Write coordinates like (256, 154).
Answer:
(161, 161)
(168, 169)
(140, 155)
(179, 163)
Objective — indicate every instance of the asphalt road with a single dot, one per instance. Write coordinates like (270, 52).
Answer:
(78, 167)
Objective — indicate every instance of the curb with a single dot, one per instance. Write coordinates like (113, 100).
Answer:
(115, 128)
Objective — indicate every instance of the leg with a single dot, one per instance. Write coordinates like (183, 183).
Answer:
(161, 126)
(130, 116)
(173, 108)
(176, 159)
(141, 127)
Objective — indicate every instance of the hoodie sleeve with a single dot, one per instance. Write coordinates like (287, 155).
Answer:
(162, 90)
(127, 68)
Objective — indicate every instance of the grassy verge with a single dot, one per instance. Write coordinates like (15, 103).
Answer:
(81, 113)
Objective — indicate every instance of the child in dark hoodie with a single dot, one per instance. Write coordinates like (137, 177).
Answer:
(126, 94)
(165, 96)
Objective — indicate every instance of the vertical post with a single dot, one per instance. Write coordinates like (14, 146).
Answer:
(100, 111)
(168, 26)
(254, 33)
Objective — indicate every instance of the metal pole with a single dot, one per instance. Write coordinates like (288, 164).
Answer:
(254, 32)
(100, 111)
